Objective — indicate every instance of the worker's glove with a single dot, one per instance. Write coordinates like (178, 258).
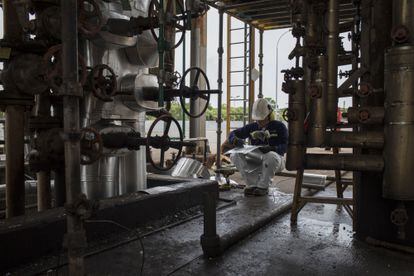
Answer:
(260, 135)
(266, 149)
(237, 142)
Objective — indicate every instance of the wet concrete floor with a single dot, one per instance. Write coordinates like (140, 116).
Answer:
(322, 243)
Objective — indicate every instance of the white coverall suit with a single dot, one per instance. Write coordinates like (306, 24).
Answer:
(257, 168)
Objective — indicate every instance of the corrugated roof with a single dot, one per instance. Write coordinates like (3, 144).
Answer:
(271, 14)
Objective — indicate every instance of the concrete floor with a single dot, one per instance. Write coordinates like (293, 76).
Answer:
(322, 243)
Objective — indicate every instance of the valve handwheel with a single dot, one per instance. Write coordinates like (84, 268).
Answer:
(164, 142)
(193, 92)
(53, 68)
(178, 21)
(289, 115)
(90, 17)
(91, 146)
(103, 82)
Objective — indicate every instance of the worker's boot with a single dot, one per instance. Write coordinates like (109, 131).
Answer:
(249, 191)
(260, 192)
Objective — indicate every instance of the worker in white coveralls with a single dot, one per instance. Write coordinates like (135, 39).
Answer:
(259, 166)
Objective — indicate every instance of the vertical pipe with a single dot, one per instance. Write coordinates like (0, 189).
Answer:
(228, 88)
(210, 241)
(245, 82)
(318, 114)
(220, 87)
(60, 192)
(261, 65)
(75, 237)
(198, 59)
(297, 107)
(161, 54)
(332, 52)
(184, 68)
(14, 127)
(44, 200)
(252, 46)
(14, 142)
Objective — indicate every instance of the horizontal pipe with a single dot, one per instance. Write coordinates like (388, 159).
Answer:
(366, 115)
(348, 139)
(346, 162)
(327, 200)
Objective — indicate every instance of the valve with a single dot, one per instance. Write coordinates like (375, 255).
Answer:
(91, 146)
(53, 71)
(90, 17)
(164, 142)
(400, 34)
(289, 115)
(103, 82)
(178, 21)
(193, 91)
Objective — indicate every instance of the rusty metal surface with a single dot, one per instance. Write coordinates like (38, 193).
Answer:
(272, 14)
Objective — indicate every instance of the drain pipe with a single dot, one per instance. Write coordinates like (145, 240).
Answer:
(75, 238)
(332, 53)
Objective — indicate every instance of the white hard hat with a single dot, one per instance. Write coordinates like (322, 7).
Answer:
(261, 109)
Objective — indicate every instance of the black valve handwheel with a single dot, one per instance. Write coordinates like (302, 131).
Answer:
(103, 82)
(193, 91)
(164, 142)
(178, 21)
(289, 115)
(91, 146)
(53, 68)
(90, 17)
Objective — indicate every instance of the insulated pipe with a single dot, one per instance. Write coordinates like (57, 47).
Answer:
(296, 114)
(366, 115)
(75, 239)
(220, 87)
(366, 139)
(14, 126)
(346, 162)
(399, 123)
(332, 53)
(317, 91)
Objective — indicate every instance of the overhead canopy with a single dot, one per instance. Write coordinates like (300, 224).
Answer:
(271, 14)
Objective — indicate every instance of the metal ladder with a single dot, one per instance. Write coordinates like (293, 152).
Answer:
(238, 84)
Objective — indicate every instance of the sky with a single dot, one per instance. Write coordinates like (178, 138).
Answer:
(270, 74)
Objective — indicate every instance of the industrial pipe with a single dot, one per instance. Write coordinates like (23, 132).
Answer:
(14, 126)
(399, 123)
(317, 93)
(296, 116)
(75, 239)
(210, 241)
(346, 162)
(44, 191)
(403, 21)
(348, 139)
(332, 53)
(366, 115)
(220, 88)
(260, 64)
